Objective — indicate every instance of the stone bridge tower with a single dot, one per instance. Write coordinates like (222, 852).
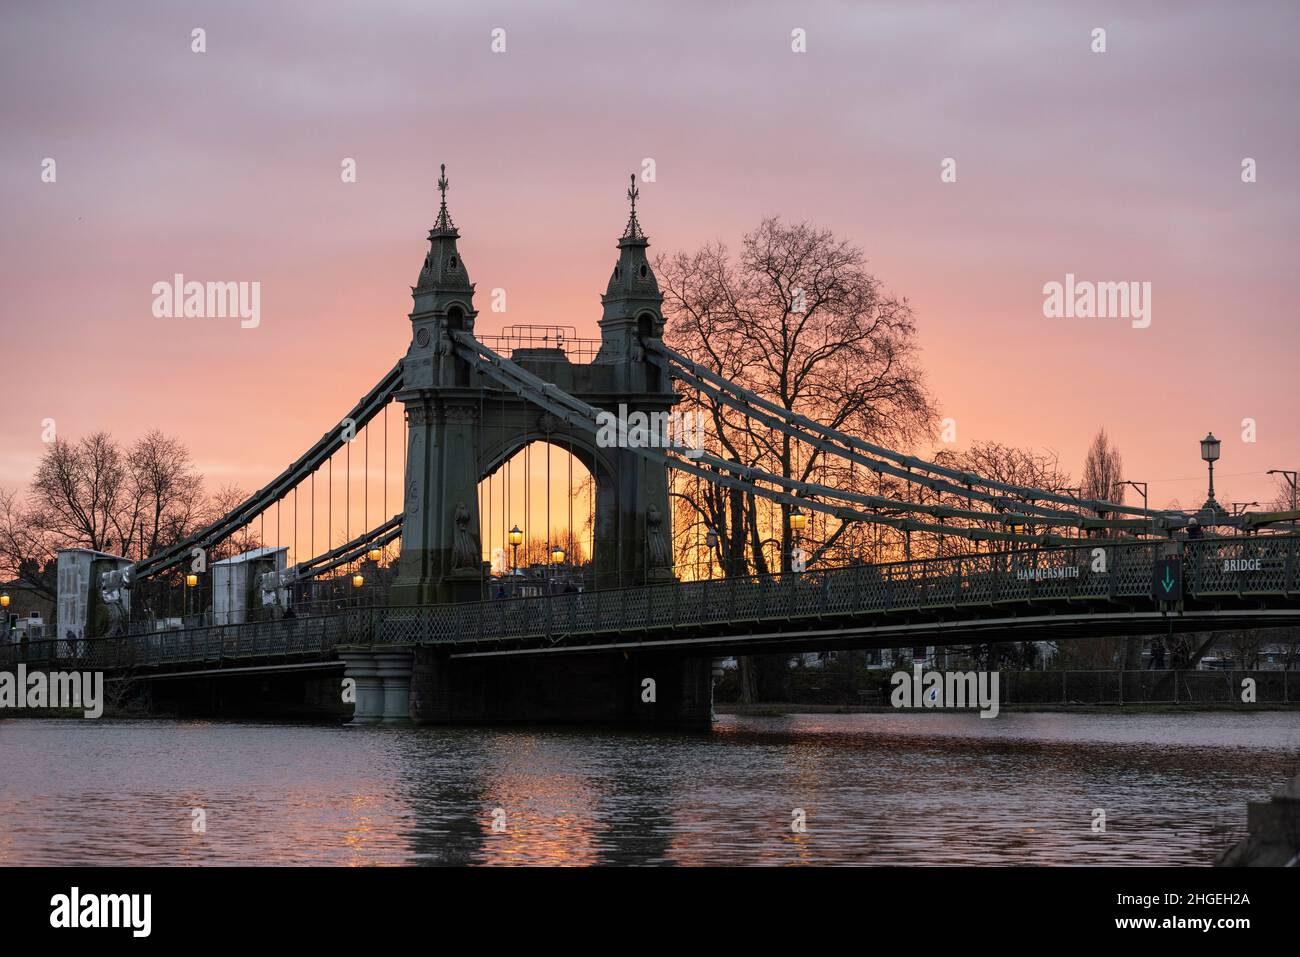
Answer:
(461, 427)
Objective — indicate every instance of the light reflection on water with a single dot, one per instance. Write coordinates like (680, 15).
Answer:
(876, 789)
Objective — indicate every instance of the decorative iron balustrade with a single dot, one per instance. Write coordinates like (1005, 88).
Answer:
(1264, 566)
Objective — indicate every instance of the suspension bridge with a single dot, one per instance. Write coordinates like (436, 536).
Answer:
(451, 642)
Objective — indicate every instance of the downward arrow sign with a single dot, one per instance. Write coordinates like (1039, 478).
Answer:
(1169, 581)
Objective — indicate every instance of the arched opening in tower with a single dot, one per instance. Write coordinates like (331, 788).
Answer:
(537, 521)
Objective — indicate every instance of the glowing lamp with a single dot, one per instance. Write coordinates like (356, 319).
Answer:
(516, 536)
(358, 580)
(798, 519)
(191, 580)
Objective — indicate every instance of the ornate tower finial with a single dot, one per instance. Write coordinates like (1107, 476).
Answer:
(633, 230)
(443, 223)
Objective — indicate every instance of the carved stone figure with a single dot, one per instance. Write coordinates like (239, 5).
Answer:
(655, 538)
(465, 550)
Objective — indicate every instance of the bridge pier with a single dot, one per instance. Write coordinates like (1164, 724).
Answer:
(383, 684)
(632, 688)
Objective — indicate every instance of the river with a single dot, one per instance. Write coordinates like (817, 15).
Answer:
(932, 788)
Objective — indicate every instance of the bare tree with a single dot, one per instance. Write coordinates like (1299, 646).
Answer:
(1103, 471)
(79, 493)
(1001, 463)
(797, 319)
(165, 492)
(92, 494)
(25, 549)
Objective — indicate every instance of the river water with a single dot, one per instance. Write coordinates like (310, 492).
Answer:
(929, 788)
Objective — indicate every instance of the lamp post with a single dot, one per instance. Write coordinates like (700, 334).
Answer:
(515, 537)
(1141, 487)
(1290, 480)
(557, 560)
(711, 539)
(797, 522)
(1210, 454)
(191, 581)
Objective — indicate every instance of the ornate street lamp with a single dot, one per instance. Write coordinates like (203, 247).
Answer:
(374, 554)
(4, 601)
(557, 555)
(191, 580)
(1210, 453)
(358, 580)
(797, 522)
(515, 537)
(797, 519)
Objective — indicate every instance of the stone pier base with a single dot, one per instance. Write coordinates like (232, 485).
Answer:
(383, 678)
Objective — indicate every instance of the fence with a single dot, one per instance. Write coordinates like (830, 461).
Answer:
(1217, 686)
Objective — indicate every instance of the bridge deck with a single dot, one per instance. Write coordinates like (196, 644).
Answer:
(1226, 583)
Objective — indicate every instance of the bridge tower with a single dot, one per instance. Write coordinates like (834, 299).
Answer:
(633, 516)
(440, 557)
(461, 429)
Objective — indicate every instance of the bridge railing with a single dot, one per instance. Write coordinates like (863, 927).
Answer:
(1095, 570)
(212, 644)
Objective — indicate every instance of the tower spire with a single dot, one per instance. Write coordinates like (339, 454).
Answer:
(443, 224)
(633, 230)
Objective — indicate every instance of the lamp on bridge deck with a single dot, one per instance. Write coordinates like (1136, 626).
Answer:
(191, 580)
(374, 554)
(1210, 453)
(515, 538)
(358, 580)
(4, 600)
(798, 519)
(557, 555)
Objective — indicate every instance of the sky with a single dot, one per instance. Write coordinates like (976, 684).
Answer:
(225, 165)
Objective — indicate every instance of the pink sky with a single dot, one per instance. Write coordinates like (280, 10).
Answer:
(226, 166)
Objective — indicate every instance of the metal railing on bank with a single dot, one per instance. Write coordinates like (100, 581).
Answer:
(1194, 687)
